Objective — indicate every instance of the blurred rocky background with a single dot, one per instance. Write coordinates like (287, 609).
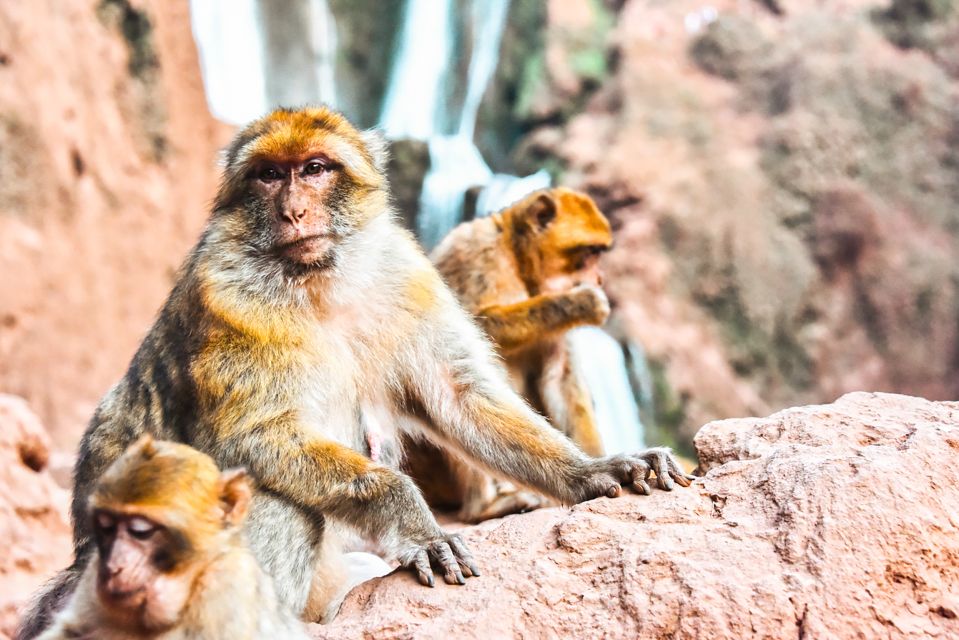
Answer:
(783, 176)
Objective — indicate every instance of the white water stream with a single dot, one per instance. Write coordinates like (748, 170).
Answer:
(236, 60)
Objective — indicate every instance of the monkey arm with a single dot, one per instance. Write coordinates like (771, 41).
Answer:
(333, 480)
(516, 325)
(470, 408)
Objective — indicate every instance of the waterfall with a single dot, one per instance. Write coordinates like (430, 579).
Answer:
(455, 166)
(489, 18)
(417, 107)
(414, 103)
(292, 44)
(600, 358)
(229, 45)
(323, 46)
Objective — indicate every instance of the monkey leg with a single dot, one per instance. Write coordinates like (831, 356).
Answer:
(333, 480)
(566, 399)
(335, 573)
(485, 497)
(286, 541)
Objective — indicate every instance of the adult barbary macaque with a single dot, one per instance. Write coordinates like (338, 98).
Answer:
(529, 273)
(303, 302)
(170, 560)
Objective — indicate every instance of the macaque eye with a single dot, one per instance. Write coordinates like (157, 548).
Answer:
(269, 173)
(141, 528)
(105, 522)
(314, 167)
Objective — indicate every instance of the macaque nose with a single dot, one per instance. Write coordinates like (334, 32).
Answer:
(293, 214)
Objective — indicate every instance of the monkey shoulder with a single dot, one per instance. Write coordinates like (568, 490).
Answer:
(476, 263)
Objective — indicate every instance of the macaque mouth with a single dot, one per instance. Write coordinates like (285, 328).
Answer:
(124, 596)
(307, 250)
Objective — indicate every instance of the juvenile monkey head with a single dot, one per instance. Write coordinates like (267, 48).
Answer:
(297, 183)
(159, 514)
(557, 236)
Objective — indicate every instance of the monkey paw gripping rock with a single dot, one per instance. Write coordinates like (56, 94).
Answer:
(833, 521)
(34, 527)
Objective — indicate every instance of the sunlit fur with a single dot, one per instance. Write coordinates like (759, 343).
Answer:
(518, 271)
(210, 586)
(267, 365)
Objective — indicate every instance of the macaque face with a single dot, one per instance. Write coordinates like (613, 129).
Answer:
(136, 578)
(294, 193)
(573, 267)
(572, 243)
(298, 184)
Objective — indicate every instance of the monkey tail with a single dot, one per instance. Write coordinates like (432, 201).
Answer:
(51, 598)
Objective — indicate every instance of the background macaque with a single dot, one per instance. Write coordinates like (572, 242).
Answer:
(529, 273)
(170, 559)
(303, 302)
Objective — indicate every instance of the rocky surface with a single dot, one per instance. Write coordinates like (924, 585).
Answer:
(832, 521)
(34, 526)
(107, 166)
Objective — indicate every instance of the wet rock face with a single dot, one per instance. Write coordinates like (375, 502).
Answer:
(832, 521)
(34, 525)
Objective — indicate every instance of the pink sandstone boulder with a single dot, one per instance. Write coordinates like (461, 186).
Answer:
(832, 521)
(34, 527)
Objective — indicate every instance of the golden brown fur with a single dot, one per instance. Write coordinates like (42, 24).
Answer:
(302, 303)
(529, 273)
(207, 585)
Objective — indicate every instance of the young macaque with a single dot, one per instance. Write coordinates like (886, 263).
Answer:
(529, 273)
(171, 561)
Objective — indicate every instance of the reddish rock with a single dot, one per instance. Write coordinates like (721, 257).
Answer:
(832, 521)
(34, 526)
(107, 165)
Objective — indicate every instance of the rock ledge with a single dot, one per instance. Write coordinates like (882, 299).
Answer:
(831, 521)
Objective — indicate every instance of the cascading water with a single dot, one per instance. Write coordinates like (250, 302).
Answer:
(229, 44)
(235, 38)
(600, 358)
(416, 106)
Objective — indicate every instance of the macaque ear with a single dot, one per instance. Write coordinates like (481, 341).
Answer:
(544, 210)
(236, 491)
(146, 446)
(379, 148)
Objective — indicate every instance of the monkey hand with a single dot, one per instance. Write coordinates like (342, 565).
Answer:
(448, 552)
(589, 304)
(606, 476)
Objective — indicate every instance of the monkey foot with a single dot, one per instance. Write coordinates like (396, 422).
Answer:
(504, 504)
(450, 556)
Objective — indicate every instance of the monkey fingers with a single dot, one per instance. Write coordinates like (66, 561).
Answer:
(639, 480)
(463, 555)
(421, 562)
(441, 553)
(666, 467)
(450, 556)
